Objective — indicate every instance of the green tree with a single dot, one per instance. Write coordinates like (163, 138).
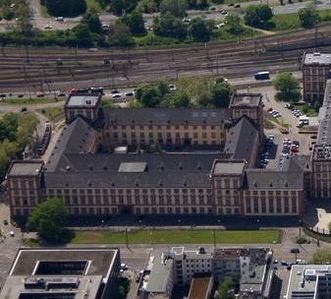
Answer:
(82, 35)
(65, 8)
(225, 289)
(287, 86)
(308, 17)
(92, 20)
(179, 99)
(120, 6)
(199, 30)
(198, 4)
(49, 219)
(147, 6)
(258, 15)
(151, 95)
(221, 93)
(120, 35)
(170, 26)
(174, 7)
(234, 24)
(135, 21)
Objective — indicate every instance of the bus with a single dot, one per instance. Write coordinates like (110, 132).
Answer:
(262, 76)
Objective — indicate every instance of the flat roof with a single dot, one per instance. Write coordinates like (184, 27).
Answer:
(100, 259)
(160, 273)
(317, 58)
(87, 288)
(246, 99)
(25, 168)
(228, 167)
(199, 288)
(303, 279)
(82, 101)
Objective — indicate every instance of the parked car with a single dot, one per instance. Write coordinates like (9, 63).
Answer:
(295, 250)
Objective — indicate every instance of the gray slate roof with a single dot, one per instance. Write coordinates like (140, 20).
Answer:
(297, 164)
(102, 171)
(269, 179)
(164, 116)
(241, 139)
(75, 138)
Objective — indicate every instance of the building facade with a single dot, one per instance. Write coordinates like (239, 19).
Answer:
(211, 176)
(315, 70)
(309, 282)
(248, 267)
(321, 157)
(82, 104)
(63, 273)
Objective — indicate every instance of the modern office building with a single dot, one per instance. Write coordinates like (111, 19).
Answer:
(309, 282)
(63, 273)
(315, 69)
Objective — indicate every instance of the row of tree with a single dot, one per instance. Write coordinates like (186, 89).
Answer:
(260, 16)
(16, 132)
(218, 94)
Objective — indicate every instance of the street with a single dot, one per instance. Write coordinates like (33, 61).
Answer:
(41, 22)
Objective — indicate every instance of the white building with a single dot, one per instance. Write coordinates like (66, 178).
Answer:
(190, 262)
(309, 282)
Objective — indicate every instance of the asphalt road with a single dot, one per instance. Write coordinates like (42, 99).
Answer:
(41, 22)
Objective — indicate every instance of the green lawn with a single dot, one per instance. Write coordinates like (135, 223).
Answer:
(177, 237)
(52, 112)
(28, 101)
(291, 21)
(305, 109)
(286, 22)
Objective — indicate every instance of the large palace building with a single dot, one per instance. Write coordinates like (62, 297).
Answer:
(179, 161)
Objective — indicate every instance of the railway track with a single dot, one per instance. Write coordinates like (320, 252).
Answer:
(56, 68)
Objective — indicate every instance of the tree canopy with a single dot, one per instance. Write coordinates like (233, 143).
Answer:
(49, 219)
(200, 30)
(258, 15)
(65, 8)
(92, 20)
(225, 289)
(170, 26)
(234, 23)
(136, 23)
(120, 35)
(308, 17)
(174, 7)
(218, 95)
(287, 86)
(120, 6)
(16, 132)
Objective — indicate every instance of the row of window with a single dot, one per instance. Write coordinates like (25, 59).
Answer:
(160, 135)
(263, 206)
(160, 127)
(137, 191)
